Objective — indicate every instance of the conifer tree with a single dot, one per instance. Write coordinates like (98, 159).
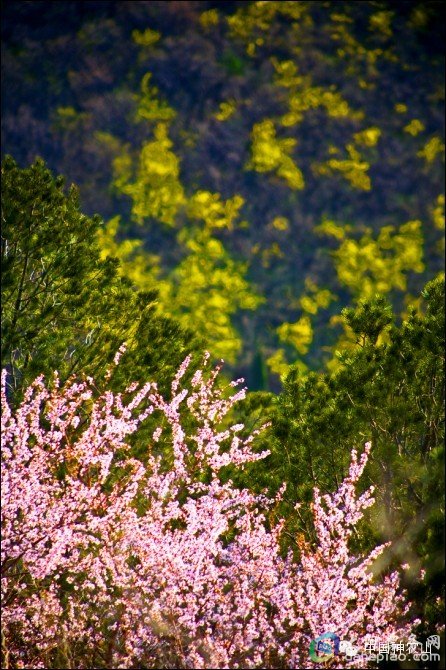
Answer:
(389, 389)
(63, 307)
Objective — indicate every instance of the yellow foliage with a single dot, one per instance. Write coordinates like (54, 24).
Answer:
(341, 18)
(380, 22)
(353, 168)
(226, 110)
(254, 18)
(298, 334)
(135, 263)
(68, 118)
(318, 298)
(368, 137)
(369, 266)
(108, 140)
(361, 61)
(150, 106)
(209, 18)
(291, 173)
(212, 210)
(277, 363)
(412, 304)
(308, 304)
(157, 191)
(205, 289)
(414, 128)
(331, 228)
(400, 108)
(280, 223)
(419, 17)
(304, 96)
(353, 171)
(66, 112)
(202, 292)
(335, 104)
(242, 23)
(270, 154)
(286, 73)
(145, 38)
(347, 341)
(274, 251)
(122, 170)
(267, 150)
(438, 213)
(431, 149)
(208, 286)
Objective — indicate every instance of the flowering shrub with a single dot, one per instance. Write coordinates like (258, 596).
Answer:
(111, 562)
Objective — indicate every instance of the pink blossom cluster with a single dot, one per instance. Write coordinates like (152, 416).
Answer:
(108, 561)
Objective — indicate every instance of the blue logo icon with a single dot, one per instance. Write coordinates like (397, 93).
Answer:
(324, 647)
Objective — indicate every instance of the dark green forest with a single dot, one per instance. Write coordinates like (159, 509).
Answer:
(260, 180)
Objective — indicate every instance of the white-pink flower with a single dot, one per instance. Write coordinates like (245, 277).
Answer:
(119, 563)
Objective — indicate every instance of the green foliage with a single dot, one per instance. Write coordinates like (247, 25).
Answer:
(392, 393)
(63, 307)
(369, 320)
(368, 267)
(135, 263)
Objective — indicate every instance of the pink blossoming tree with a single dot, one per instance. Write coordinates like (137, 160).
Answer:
(111, 562)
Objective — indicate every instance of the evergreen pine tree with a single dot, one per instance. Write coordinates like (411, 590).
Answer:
(390, 390)
(65, 309)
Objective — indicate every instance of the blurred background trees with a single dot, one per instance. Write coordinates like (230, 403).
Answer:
(298, 147)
